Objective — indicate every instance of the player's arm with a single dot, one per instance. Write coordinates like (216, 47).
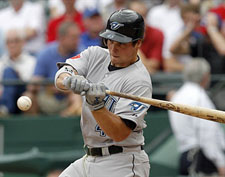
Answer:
(110, 123)
(59, 81)
(61, 74)
(67, 78)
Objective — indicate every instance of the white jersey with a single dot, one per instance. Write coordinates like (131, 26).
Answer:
(93, 65)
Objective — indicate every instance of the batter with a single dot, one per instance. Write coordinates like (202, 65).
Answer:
(112, 127)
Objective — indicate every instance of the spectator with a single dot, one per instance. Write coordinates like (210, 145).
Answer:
(90, 4)
(200, 142)
(57, 8)
(210, 43)
(2, 45)
(107, 10)
(94, 24)
(214, 43)
(71, 14)
(15, 65)
(27, 16)
(152, 3)
(49, 100)
(216, 24)
(166, 17)
(190, 33)
(151, 48)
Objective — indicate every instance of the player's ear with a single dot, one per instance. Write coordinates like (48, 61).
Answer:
(138, 43)
(104, 42)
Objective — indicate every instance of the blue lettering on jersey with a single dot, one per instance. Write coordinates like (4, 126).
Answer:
(137, 106)
(110, 103)
(98, 129)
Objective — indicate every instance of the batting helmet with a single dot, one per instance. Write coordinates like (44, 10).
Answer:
(124, 26)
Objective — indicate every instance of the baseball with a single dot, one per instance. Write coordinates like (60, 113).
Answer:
(24, 103)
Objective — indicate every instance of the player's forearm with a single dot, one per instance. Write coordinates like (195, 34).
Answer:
(111, 124)
(59, 81)
(62, 73)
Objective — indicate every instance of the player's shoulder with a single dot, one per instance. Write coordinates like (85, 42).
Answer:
(141, 74)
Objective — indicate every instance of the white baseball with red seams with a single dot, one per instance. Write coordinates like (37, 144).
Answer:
(24, 103)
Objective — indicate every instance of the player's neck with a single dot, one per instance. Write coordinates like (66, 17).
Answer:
(123, 65)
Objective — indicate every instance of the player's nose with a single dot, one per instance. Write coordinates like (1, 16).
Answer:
(115, 46)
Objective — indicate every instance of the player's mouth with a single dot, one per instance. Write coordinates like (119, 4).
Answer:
(114, 56)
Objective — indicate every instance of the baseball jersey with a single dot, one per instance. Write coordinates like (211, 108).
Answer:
(93, 64)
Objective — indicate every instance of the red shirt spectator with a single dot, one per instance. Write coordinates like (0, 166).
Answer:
(54, 24)
(220, 10)
(152, 44)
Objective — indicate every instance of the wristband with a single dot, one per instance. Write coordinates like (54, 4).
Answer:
(65, 69)
(96, 106)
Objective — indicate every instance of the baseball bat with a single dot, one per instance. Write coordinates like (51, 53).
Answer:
(200, 112)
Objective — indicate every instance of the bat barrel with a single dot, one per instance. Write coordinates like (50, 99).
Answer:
(204, 113)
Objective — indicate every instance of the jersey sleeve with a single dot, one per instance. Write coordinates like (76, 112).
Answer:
(82, 61)
(133, 110)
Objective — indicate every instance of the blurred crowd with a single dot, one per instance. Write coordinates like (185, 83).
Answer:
(36, 34)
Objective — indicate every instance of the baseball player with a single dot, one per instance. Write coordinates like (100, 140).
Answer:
(112, 127)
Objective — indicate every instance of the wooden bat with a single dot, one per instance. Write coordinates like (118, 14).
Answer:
(200, 112)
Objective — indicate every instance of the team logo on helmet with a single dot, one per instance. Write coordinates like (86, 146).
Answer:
(116, 25)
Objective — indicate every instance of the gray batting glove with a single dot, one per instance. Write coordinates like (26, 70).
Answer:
(78, 84)
(95, 96)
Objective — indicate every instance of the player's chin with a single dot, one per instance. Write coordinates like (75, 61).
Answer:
(115, 59)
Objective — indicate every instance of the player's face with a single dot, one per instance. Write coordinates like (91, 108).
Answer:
(122, 54)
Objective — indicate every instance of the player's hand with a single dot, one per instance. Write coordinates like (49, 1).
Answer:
(78, 84)
(95, 96)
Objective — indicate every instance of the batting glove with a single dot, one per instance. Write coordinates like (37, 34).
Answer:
(95, 96)
(78, 84)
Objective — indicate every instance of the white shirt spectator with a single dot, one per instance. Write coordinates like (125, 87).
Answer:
(58, 8)
(168, 20)
(91, 4)
(192, 132)
(23, 65)
(31, 15)
(2, 44)
(107, 9)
